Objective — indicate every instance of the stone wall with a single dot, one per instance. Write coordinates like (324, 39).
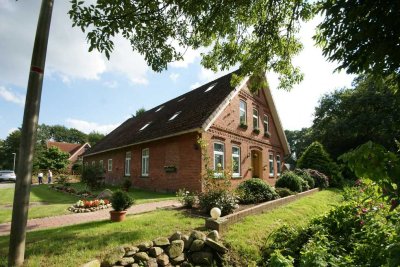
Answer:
(177, 250)
(222, 224)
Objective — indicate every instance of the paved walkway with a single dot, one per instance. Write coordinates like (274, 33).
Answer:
(77, 218)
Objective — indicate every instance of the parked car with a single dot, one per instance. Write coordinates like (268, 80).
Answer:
(7, 175)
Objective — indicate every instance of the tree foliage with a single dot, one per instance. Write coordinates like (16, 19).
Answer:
(9, 146)
(298, 141)
(363, 36)
(53, 158)
(256, 34)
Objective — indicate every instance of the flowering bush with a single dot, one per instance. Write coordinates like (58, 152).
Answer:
(222, 199)
(90, 205)
(186, 198)
(255, 191)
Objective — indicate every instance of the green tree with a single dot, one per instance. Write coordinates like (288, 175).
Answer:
(298, 141)
(140, 111)
(94, 137)
(315, 157)
(61, 133)
(9, 146)
(363, 36)
(348, 118)
(53, 158)
(256, 34)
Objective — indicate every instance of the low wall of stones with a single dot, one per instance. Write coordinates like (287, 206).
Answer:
(222, 224)
(177, 250)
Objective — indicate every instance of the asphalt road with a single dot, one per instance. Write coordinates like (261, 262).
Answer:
(6, 185)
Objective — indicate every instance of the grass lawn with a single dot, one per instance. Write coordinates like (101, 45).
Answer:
(78, 244)
(248, 236)
(56, 203)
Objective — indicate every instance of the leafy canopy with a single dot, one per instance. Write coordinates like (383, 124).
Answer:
(363, 36)
(53, 158)
(256, 34)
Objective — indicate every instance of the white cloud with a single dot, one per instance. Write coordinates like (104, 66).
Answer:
(174, 76)
(111, 84)
(87, 127)
(189, 56)
(195, 85)
(11, 130)
(12, 97)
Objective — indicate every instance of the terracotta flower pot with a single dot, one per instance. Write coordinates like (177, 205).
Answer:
(117, 216)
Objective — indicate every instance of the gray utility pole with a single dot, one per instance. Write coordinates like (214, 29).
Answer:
(15, 154)
(28, 138)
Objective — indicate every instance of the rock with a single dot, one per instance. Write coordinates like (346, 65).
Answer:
(141, 257)
(176, 236)
(130, 250)
(198, 235)
(178, 260)
(93, 263)
(113, 256)
(187, 241)
(213, 235)
(105, 194)
(216, 246)
(161, 242)
(145, 246)
(175, 249)
(197, 245)
(152, 262)
(163, 260)
(202, 258)
(135, 265)
(155, 251)
(126, 261)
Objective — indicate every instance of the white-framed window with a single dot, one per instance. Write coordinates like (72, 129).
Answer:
(243, 112)
(255, 118)
(93, 163)
(219, 157)
(145, 162)
(271, 164)
(278, 164)
(109, 165)
(266, 123)
(128, 164)
(235, 161)
(101, 164)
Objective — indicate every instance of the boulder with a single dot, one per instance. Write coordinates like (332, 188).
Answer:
(175, 249)
(125, 261)
(161, 242)
(155, 251)
(198, 235)
(202, 258)
(130, 250)
(197, 245)
(105, 194)
(163, 260)
(141, 257)
(113, 256)
(213, 235)
(178, 260)
(93, 263)
(216, 246)
(176, 236)
(145, 246)
(152, 262)
(187, 241)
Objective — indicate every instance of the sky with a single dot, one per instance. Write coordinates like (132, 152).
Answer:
(84, 90)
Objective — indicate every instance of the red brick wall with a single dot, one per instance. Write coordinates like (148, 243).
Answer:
(180, 151)
(226, 130)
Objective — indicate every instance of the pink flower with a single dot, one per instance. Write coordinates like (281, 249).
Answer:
(364, 210)
(362, 223)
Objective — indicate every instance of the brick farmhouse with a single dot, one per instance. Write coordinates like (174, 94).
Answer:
(158, 150)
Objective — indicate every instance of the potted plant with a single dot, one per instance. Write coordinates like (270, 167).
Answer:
(120, 202)
(243, 125)
(256, 130)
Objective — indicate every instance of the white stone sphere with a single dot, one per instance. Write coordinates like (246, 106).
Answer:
(215, 213)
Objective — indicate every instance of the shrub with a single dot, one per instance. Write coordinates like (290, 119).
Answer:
(63, 179)
(186, 198)
(92, 176)
(291, 181)
(305, 176)
(222, 199)
(255, 191)
(284, 192)
(121, 201)
(320, 179)
(126, 184)
(315, 157)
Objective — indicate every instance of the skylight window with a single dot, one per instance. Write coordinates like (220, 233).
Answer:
(181, 99)
(160, 108)
(210, 87)
(174, 116)
(144, 127)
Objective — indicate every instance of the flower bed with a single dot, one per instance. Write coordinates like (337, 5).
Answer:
(90, 205)
(72, 191)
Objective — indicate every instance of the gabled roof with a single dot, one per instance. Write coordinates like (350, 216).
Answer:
(69, 148)
(194, 111)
